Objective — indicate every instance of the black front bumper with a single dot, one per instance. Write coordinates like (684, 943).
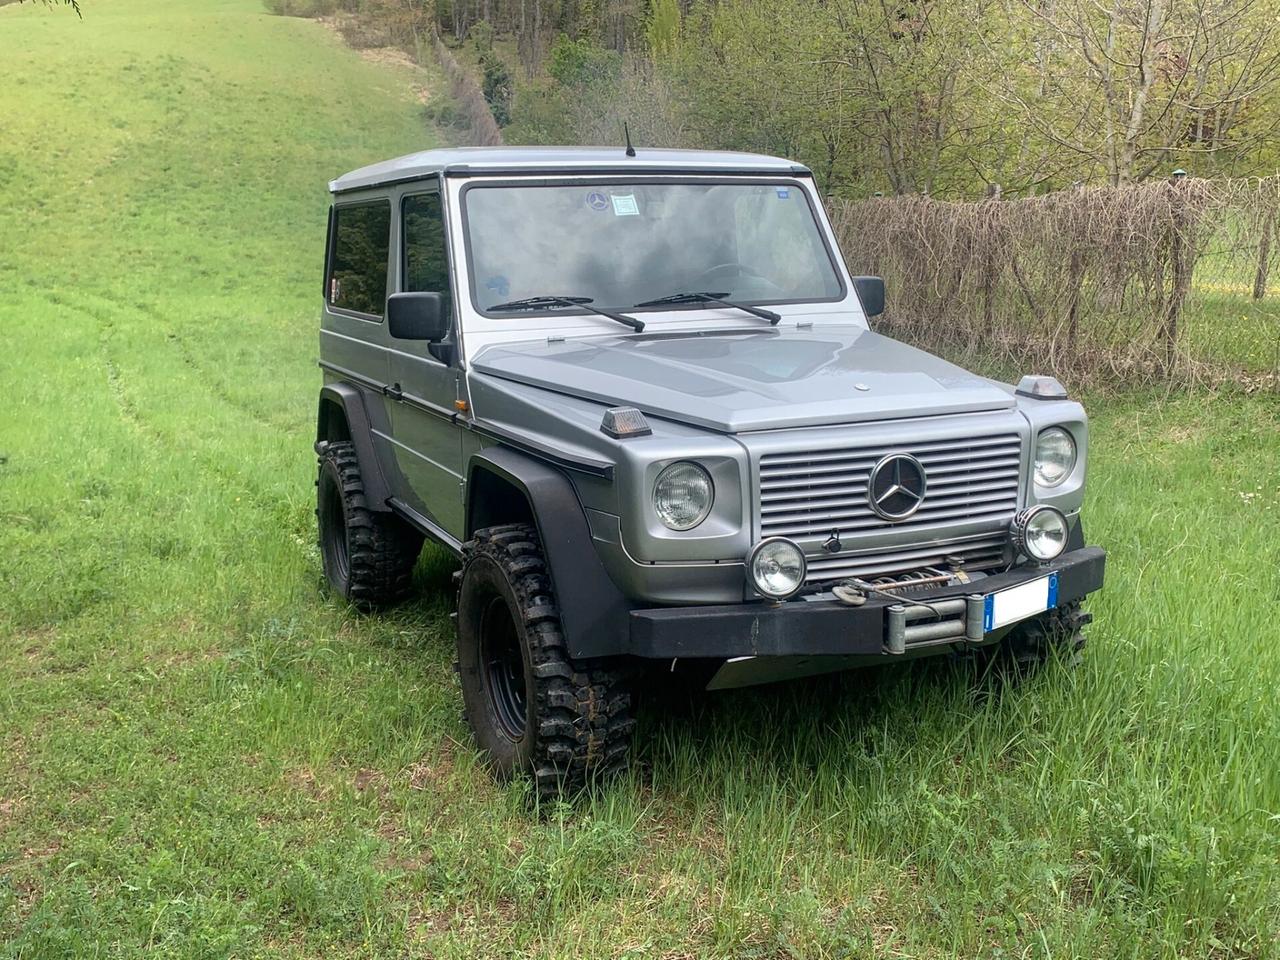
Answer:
(826, 627)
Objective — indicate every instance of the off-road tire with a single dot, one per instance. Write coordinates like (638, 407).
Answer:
(368, 555)
(577, 719)
(1058, 632)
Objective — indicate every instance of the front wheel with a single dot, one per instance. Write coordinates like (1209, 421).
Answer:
(531, 708)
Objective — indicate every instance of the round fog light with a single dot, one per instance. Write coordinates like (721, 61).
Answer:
(776, 567)
(1040, 532)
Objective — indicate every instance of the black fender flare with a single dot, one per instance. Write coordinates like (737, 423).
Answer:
(349, 399)
(594, 614)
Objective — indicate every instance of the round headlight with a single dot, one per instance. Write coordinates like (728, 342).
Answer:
(776, 567)
(1040, 533)
(1055, 456)
(682, 495)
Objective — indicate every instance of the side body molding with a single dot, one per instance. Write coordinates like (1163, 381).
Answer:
(593, 611)
(344, 400)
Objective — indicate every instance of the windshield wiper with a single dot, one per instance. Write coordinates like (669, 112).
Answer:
(541, 303)
(701, 297)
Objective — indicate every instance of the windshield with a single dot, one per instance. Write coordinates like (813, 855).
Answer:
(623, 244)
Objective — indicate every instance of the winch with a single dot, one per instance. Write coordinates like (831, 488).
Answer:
(914, 621)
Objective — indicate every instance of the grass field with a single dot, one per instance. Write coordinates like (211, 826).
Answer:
(201, 756)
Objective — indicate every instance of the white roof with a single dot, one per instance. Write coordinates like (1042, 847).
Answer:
(462, 161)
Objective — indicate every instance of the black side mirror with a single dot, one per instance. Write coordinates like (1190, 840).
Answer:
(870, 291)
(417, 316)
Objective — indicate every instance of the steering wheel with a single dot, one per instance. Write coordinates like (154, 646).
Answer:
(732, 268)
(763, 286)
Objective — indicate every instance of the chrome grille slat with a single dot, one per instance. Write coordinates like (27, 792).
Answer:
(809, 494)
(977, 553)
(865, 464)
(839, 495)
(850, 524)
(913, 449)
(838, 477)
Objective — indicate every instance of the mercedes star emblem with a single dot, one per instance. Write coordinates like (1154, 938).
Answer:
(896, 487)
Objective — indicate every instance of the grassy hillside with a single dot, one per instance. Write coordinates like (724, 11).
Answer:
(201, 756)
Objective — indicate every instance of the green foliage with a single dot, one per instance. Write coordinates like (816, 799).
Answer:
(580, 63)
(937, 98)
(481, 34)
(301, 8)
(498, 89)
(663, 28)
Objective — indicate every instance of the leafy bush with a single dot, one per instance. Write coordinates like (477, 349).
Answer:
(579, 63)
(482, 36)
(498, 89)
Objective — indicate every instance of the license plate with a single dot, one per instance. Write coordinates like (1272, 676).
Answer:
(1017, 603)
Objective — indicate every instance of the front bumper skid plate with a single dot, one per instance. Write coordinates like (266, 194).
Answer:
(957, 614)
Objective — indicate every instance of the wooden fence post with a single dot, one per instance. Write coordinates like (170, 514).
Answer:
(1180, 257)
(1264, 254)
(990, 268)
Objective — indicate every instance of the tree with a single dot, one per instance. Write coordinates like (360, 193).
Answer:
(663, 28)
(1124, 87)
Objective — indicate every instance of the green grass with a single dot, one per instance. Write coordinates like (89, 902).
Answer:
(202, 756)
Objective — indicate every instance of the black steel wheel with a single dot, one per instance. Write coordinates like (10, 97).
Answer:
(531, 708)
(504, 667)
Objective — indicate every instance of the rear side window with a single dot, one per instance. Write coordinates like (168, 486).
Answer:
(426, 262)
(358, 262)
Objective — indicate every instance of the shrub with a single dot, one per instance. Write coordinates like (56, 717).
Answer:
(497, 89)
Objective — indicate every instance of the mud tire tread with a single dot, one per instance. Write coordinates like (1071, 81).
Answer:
(582, 709)
(381, 548)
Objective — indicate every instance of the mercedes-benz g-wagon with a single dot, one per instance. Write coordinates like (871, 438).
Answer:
(641, 399)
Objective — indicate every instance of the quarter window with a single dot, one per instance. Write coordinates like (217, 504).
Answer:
(358, 265)
(426, 261)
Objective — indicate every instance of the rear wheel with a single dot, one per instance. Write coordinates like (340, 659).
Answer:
(531, 708)
(368, 555)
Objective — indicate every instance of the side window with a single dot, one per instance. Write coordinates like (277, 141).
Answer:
(358, 263)
(426, 262)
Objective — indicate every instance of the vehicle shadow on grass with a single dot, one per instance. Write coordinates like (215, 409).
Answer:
(691, 739)
(787, 732)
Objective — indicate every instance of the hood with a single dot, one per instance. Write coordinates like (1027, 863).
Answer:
(736, 380)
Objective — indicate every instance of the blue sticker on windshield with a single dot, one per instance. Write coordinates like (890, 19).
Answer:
(499, 285)
(597, 200)
(783, 193)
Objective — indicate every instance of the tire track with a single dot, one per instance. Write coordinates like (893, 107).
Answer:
(217, 386)
(125, 405)
(231, 479)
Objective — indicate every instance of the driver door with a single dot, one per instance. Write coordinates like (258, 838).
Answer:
(424, 376)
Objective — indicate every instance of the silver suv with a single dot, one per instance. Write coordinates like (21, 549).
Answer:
(639, 396)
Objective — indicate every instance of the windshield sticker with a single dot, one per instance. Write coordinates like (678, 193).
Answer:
(783, 193)
(624, 205)
(597, 200)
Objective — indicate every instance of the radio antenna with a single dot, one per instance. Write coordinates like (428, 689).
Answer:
(631, 151)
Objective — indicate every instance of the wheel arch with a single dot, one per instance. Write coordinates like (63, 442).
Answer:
(341, 415)
(506, 486)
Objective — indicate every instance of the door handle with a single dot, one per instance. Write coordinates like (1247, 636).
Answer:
(394, 392)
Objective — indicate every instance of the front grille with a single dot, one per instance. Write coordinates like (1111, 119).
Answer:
(977, 553)
(812, 494)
